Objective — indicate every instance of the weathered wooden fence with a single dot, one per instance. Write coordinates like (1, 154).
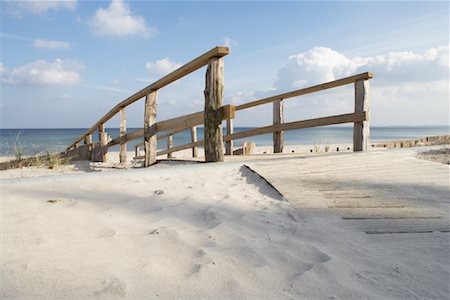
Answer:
(212, 119)
(214, 142)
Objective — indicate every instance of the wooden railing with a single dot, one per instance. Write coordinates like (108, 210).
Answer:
(214, 113)
(360, 116)
(212, 119)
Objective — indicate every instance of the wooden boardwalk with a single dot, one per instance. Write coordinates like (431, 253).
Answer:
(373, 192)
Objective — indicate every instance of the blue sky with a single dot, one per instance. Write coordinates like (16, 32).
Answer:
(66, 63)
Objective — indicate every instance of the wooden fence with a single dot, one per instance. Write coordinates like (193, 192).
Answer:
(214, 141)
(212, 119)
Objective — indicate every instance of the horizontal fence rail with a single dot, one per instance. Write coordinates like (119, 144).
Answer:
(188, 68)
(214, 142)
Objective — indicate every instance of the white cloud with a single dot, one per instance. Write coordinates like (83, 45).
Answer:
(230, 43)
(323, 64)
(39, 43)
(408, 88)
(161, 67)
(37, 7)
(2, 68)
(42, 72)
(117, 20)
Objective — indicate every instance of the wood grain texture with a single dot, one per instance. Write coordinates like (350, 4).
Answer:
(151, 103)
(194, 140)
(103, 137)
(308, 90)
(190, 67)
(361, 129)
(123, 132)
(229, 144)
(278, 118)
(338, 119)
(213, 135)
(169, 146)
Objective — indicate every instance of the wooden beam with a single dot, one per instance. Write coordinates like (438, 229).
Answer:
(332, 120)
(150, 142)
(169, 146)
(361, 129)
(177, 124)
(188, 121)
(123, 132)
(308, 90)
(181, 147)
(213, 135)
(229, 144)
(194, 140)
(278, 118)
(103, 137)
(88, 139)
(190, 67)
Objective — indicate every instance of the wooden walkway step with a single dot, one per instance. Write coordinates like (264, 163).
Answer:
(375, 192)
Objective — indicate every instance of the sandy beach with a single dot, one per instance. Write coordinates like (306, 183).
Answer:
(183, 230)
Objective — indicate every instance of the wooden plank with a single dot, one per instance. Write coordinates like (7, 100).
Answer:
(308, 90)
(338, 119)
(181, 123)
(194, 140)
(169, 146)
(229, 144)
(123, 132)
(361, 130)
(181, 147)
(151, 103)
(278, 118)
(103, 137)
(137, 150)
(213, 134)
(190, 67)
(88, 139)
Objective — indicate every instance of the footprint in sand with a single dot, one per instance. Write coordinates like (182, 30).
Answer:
(210, 218)
(112, 287)
(62, 201)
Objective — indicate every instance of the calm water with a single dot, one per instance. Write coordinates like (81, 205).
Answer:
(37, 140)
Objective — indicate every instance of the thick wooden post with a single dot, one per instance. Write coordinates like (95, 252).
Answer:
(88, 141)
(150, 142)
(103, 137)
(123, 132)
(229, 144)
(361, 130)
(278, 118)
(193, 140)
(213, 135)
(136, 151)
(169, 146)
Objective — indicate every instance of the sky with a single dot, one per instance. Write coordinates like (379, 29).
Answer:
(64, 64)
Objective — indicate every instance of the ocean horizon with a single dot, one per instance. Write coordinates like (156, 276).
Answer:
(36, 140)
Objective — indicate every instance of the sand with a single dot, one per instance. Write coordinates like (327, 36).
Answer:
(182, 230)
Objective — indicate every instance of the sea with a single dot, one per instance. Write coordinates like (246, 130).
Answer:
(33, 141)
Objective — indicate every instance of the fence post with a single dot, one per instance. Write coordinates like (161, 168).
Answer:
(169, 146)
(361, 130)
(193, 140)
(278, 118)
(88, 142)
(213, 135)
(103, 137)
(123, 132)
(229, 144)
(150, 142)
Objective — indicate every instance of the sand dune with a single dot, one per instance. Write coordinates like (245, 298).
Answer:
(203, 231)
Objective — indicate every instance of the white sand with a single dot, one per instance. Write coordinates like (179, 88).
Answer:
(197, 231)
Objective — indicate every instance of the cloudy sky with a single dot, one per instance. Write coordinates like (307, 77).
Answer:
(66, 63)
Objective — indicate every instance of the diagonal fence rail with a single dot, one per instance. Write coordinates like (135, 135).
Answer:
(214, 142)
